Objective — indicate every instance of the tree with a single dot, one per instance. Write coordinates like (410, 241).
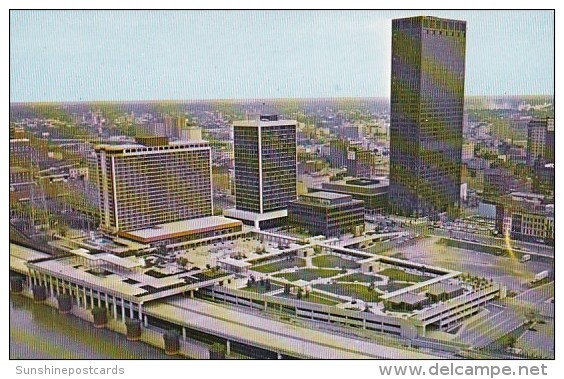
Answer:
(182, 261)
(511, 341)
(317, 249)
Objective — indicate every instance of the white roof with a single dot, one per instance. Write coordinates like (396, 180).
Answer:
(300, 283)
(85, 254)
(235, 262)
(121, 262)
(182, 226)
(25, 254)
(253, 216)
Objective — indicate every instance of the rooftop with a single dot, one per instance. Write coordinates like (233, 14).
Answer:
(408, 298)
(440, 288)
(264, 121)
(180, 228)
(169, 146)
(326, 195)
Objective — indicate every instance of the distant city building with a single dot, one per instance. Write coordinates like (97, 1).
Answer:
(373, 192)
(544, 178)
(310, 166)
(500, 181)
(190, 133)
(81, 173)
(351, 132)
(427, 103)
(265, 169)
(153, 182)
(549, 141)
(540, 140)
(20, 152)
(526, 217)
(327, 213)
(518, 154)
(354, 158)
(467, 151)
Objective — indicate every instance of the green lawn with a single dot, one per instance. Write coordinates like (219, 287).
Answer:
(393, 286)
(331, 261)
(396, 274)
(257, 288)
(359, 277)
(279, 265)
(313, 298)
(357, 291)
(308, 274)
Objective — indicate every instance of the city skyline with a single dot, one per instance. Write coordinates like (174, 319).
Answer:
(314, 58)
(332, 227)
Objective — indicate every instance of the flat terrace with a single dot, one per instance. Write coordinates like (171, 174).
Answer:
(119, 277)
(272, 335)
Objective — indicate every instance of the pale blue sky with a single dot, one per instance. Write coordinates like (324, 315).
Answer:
(151, 55)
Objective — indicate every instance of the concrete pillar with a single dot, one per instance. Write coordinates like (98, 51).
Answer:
(145, 321)
(84, 293)
(122, 310)
(278, 355)
(228, 351)
(140, 312)
(183, 333)
(77, 296)
(130, 309)
(107, 303)
(115, 308)
(91, 298)
(99, 298)
(51, 286)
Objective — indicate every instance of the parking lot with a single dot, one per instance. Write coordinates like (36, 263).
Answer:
(501, 269)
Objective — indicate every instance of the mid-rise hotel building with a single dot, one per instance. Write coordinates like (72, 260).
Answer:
(153, 182)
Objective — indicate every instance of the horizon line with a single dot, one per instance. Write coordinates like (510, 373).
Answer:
(254, 99)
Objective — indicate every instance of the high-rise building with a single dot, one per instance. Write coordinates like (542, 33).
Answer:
(153, 182)
(540, 141)
(549, 141)
(536, 140)
(427, 111)
(265, 168)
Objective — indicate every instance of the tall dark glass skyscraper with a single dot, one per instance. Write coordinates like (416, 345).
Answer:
(427, 104)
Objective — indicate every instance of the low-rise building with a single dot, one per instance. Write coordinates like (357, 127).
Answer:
(185, 230)
(326, 213)
(373, 192)
(526, 217)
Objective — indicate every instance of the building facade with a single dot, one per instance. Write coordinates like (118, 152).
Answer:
(327, 213)
(153, 182)
(526, 217)
(265, 164)
(427, 108)
(374, 192)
